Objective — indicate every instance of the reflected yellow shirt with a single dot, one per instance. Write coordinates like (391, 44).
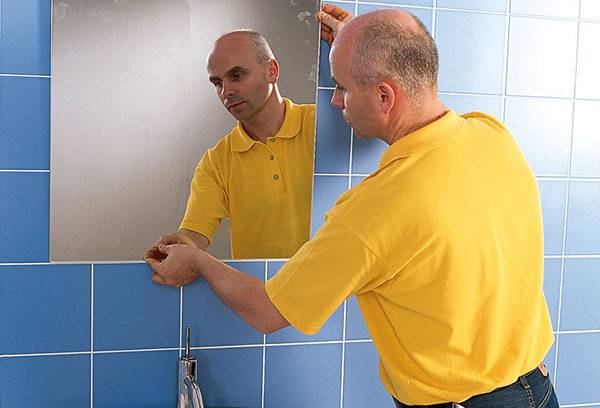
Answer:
(442, 246)
(264, 189)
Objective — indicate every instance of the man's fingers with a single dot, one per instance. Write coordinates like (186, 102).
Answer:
(156, 278)
(337, 12)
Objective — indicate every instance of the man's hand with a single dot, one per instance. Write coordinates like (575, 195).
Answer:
(332, 19)
(180, 237)
(176, 264)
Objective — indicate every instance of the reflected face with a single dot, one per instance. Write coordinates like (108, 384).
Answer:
(241, 82)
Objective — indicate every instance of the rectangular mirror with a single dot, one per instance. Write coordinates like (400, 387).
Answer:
(133, 112)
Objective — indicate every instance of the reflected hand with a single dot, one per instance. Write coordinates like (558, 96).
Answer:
(170, 239)
(176, 266)
(332, 19)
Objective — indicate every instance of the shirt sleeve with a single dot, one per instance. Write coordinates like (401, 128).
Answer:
(325, 271)
(207, 203)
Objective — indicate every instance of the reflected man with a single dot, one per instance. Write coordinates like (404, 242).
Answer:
(260, 174)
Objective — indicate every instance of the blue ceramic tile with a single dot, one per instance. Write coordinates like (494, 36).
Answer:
(230, 377)
(324, 70)
(588, 62)
(577, 372)
(546, 143)
(586, 139)
(540, 52)
(492, 105)
(553, 195)
(332, 153)
(45, 381)
(425, 15)
(356, 328)
(424, 3)
(362, 386)
(550, 358)
(590, 9)
(580, 299)
(357, 179)
(44, 308)
(135, 380)
(486, 5)
(552, 287)
(303, 376)
(25, 39)
(583, 229)
(559, 8)
(465, 40)
(366, 154)
(327, 189)
(211, 322)
(24, 217)
(24, 123)
(331, 330)
(130, 311)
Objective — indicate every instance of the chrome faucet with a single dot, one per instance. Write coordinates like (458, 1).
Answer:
(188, 391)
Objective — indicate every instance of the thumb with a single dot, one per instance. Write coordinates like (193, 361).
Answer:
(326, 19)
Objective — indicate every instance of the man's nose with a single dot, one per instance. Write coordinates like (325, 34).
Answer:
(337, 100)
(227, 91)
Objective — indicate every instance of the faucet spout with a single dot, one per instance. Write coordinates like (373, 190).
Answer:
(188, 391)
(193, 392)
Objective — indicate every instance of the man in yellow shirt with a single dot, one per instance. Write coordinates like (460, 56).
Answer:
(441, 245)
(260, 174)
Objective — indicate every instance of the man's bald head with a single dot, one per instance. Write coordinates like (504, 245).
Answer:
(252, 40)
(391, 44)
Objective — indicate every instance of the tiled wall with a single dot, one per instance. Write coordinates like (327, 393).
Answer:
(102, 335)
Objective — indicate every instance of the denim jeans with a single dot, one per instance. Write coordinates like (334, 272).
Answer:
(531, 390)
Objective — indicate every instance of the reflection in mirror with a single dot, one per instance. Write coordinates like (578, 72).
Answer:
(135, 118)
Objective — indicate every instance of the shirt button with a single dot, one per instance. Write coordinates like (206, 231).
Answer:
(271, 157)
(273, 140)
(275, 177)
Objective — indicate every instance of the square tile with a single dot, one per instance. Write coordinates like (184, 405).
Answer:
(331, 330)
(546, 143)
(590, 9)
(44, 308)
(588, 62)
(541, 58)
(580, 299)
(583, 229)
(362, 386)
(356, 328)
(492, 105)
(130, 311)
(230, 377)
(559, 8)
(577, 372)
(327, 190)
(357, 179)
(25, 41)
(211, 322)
(303, 376)
(553, 195)
(45, 381)
(552, 288)
(24, 217)
(550, 359)
(332, 148)
(586, 140)
(424, 3)
(135, 380)
(465, 40)
(485, 5)
(366, 154)
(25, 123)
(425, 15)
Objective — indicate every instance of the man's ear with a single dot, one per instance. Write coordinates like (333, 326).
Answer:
(387, 96)
(273, 71)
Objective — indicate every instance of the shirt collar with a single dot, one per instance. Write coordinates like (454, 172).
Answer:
(241, 142)
(423, 139)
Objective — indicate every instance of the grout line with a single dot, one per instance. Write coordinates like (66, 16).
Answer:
(181, 320)
(264, 352)
(59, 353)
(434, 20)
(591, 331)
(343, 355)
(25, 75)
(505, 62)
(23, 171)
(151, 350)
(590, 404)
(92, 272)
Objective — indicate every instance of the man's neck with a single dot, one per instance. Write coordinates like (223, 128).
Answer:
(267, 122)
(413, 120)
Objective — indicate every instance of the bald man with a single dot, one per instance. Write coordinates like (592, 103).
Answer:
(441, 245)
(260, 174)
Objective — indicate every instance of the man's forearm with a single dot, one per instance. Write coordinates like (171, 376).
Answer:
(242, 293)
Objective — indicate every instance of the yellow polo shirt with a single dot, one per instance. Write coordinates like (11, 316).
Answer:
(264, 189)
(442, 246)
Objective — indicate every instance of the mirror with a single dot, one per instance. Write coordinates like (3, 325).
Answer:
(133, 112)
